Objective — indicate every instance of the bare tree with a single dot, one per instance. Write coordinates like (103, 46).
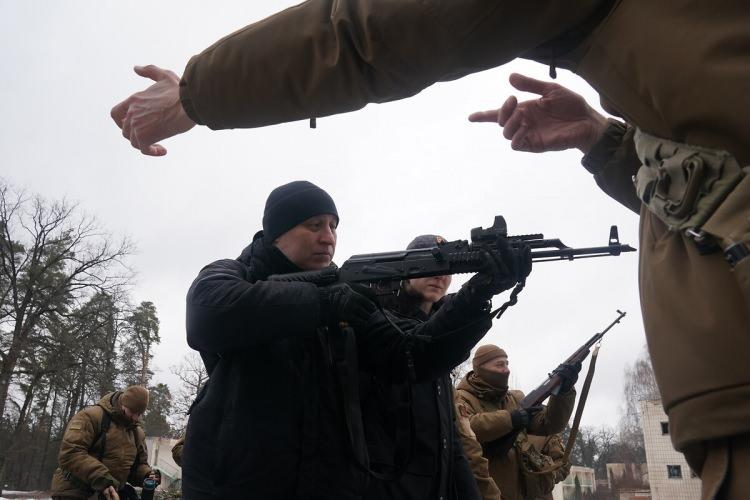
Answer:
(52, 258)
(640, 385)
(193, 375)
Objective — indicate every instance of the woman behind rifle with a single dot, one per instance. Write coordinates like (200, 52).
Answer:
(411, 437)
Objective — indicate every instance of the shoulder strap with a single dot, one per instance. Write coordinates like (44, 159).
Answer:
(104, 424)
(344, 353)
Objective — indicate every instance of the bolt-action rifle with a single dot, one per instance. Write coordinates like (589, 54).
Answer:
(454, 257)
(501, 445)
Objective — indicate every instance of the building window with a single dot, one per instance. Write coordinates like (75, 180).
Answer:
(664, 428)
(674, 472)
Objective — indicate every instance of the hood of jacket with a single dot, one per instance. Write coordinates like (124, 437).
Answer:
(110, 403)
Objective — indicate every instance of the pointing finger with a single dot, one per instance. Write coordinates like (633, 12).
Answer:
(484, 116)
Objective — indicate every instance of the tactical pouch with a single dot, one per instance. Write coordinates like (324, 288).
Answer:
(682, 184)
(538, 470)
(701, 192)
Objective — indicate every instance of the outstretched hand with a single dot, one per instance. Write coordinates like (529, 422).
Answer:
(559, 119)
(153, 114)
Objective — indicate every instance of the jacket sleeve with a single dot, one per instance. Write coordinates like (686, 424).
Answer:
(435, 347)
(614, 162)
(141, 468)
(74, 450)
(330, 56)
(555, 415)
(478, 464)
(487, 425)
(226, 311)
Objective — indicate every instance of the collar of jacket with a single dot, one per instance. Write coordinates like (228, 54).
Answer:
(481, 389)
(264, 259)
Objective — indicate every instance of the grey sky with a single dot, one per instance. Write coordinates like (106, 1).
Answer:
(395, 170)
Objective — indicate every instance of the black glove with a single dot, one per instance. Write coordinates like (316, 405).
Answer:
(505, 267)
(568, 372)
(521, 418)
(341, 302)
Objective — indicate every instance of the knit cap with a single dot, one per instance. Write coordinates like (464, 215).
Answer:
(486, 353)
(293, 203)
(135, 398)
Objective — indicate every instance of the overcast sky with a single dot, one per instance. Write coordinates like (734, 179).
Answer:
(395, 171)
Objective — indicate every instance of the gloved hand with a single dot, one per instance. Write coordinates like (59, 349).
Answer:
(505, 268)
(341, 302)
(521, 418)
(568, 372)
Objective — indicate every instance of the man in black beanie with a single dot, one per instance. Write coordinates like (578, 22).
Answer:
(302, 209)
(280, 416)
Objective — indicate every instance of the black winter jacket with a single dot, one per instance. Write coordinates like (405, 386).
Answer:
(271, 422)
(438, 468)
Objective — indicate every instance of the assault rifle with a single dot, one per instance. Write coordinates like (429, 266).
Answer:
(501, 445)
(454, 257)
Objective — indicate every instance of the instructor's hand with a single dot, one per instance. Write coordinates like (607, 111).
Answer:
(559, 119)
(153, 114)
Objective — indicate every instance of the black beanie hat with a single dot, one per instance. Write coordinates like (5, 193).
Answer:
(292, 203)
(425, 241)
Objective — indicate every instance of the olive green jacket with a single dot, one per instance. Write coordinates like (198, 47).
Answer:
(80, 472)
(489, 415)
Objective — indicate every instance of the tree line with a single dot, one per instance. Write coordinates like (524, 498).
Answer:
(69, 332)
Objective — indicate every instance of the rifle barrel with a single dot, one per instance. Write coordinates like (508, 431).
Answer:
(578, 253)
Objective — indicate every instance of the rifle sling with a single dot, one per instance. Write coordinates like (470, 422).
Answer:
(581, 405)
(344, 353)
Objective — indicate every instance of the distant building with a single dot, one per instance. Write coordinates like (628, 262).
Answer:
(626, 475)
(634, 494)
(565, 490)
(669, 474)
(160, 457)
